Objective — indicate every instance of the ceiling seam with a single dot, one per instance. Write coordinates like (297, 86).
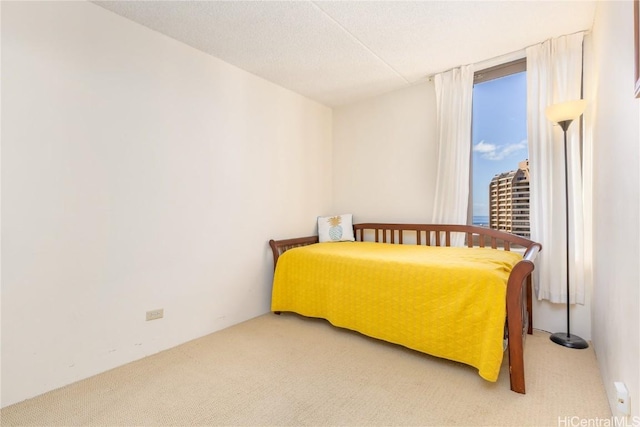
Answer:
(353, 36)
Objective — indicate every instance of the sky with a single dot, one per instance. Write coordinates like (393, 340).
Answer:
(499, 134)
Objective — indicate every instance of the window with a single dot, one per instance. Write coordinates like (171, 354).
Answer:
(500, 166)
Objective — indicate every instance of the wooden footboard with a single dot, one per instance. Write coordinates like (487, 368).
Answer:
(518, 301)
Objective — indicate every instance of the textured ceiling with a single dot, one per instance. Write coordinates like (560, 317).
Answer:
(338, 52)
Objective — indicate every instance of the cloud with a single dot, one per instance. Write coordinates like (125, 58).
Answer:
(483, 147)
(498, 152)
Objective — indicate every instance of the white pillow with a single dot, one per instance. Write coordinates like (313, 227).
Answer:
(335, 228)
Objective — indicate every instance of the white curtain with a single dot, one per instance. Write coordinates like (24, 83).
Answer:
(454, 90)
(554, 74)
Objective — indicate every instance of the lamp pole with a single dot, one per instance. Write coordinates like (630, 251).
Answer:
(567, 340)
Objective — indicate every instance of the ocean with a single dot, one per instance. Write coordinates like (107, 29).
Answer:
(481, 220)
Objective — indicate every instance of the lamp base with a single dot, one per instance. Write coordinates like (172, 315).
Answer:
(570, 341)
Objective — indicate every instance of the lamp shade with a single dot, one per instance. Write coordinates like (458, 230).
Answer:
(563, 111)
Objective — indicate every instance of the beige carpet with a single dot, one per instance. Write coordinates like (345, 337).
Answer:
(289, 370)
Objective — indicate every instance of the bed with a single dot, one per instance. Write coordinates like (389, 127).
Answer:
(407, 284)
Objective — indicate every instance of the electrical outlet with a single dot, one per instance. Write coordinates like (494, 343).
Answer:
(622, 398)
(155, 314)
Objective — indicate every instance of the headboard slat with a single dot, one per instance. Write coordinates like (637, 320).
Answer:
(440, 235)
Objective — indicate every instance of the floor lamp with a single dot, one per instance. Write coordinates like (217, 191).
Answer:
(563, 114)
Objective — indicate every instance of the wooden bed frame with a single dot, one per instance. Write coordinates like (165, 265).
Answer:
(518, 301)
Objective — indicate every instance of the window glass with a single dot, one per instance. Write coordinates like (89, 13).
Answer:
(500, 167)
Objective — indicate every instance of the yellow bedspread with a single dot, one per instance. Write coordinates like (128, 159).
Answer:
(447, 302)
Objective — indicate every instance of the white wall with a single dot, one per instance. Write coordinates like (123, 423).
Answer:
(616, 201)
(138, 173)
(384, 156)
